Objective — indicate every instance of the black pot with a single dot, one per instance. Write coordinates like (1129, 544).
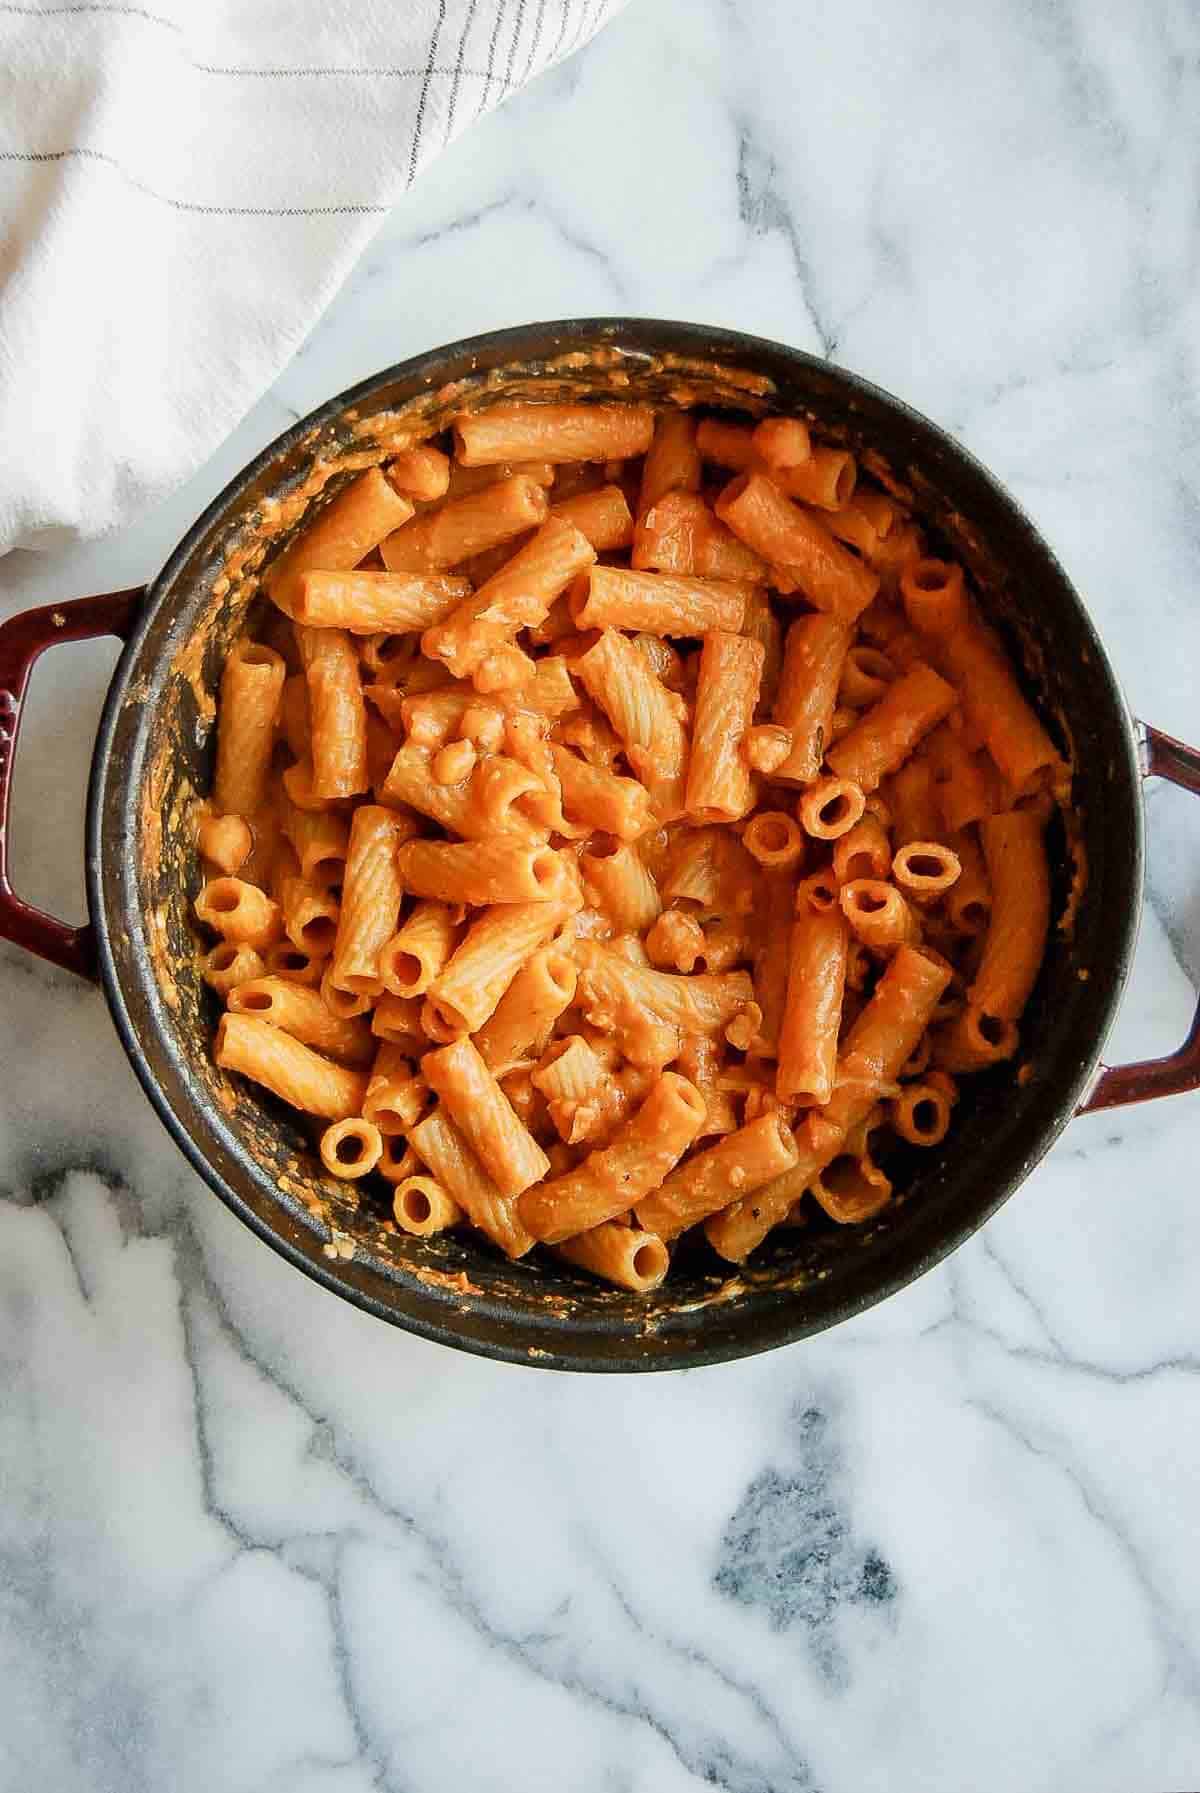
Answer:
(153, 754)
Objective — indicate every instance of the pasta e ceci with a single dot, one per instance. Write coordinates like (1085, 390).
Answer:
(620, 825)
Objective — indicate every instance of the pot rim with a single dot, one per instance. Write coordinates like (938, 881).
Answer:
(554, 1350)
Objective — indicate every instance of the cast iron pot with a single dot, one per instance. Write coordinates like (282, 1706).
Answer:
(153, 755)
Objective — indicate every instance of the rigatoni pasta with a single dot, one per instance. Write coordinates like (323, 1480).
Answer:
(659, 603)
(251, 689)
(339, 535)
(516, 432)
(646, 850)
(719, 785)
(485, 1117)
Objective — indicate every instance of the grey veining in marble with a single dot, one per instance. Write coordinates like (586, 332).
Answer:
(251, 1539)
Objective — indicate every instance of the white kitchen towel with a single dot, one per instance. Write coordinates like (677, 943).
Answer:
(183, 186)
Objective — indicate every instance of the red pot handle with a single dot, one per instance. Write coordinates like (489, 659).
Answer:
(1179, 1071)
(22, 639)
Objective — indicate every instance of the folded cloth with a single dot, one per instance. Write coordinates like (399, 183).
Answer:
(183, 188)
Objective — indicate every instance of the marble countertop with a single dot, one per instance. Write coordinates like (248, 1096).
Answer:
(252, 1539)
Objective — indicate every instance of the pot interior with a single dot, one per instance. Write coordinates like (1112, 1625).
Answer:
(155, 757)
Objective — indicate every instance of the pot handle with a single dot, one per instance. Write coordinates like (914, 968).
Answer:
(1163, 757)
(22, 639)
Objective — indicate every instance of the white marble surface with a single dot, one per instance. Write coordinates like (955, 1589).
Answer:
(251, 1539)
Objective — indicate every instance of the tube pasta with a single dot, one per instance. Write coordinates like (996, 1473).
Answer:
(701, 1062)
(645, 715)
(337, 713)
(395, 1101)
(813, 656)
(367, 603)
(483, 1114)
(974, 1040)
(570, 1070)
(771, 961)
(680, 534)
(921, 1113)
(624, 1255)
(826, 479)
(675, 941)
(890, 729)
(620, 884)
(615, 1178)
(866, 675)
(439, 1144)
(371, 897)
(1015, 944)
(397, 1019)
(513, 432)
(516, 597)
(422, 473)
(474, 479)
(583, 1100)
(773, 839)
(597, 798)
(421, 1206)
(480, 872)
(866, 522)
(463, 527)
(310, 917)
(969, 900)
(831, 807)
(926, 868)
(321, 841)
(935, 597)
(862, 852)
(466, 993)
(799, 549)
(603, 516)
(672, 461)
(351, 1148)
(704, 871)
(299, 1010)
(912, 800)
(229, 964)
(338, 1001)
(339, 535)
(762, 625)
(239, 912)
(727, 444)
(718, 782)
(851, 1188)
(290, 1070)
(419, 949)
(251, 690)
(643, 1006)
(487, 802)
(293, 716)
(969, 654)
(879, 914)
(659, 603)
(397, 1160)
(736, 1166)
(781, 443)
(960, 779)
(816, 979)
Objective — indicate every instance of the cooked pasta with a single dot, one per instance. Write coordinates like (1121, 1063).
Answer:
(626, 826)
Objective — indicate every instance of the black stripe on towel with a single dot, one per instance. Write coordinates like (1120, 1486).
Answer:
(187, 205)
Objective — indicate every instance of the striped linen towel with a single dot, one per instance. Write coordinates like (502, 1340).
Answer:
(183, 189)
